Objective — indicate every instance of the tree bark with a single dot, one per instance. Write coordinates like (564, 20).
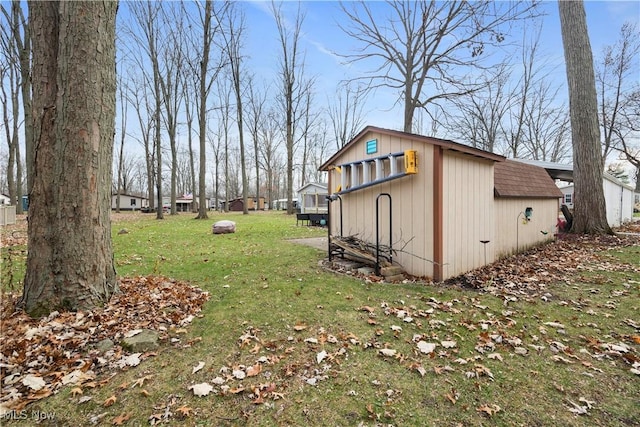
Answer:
(589, 205)
(70, 262)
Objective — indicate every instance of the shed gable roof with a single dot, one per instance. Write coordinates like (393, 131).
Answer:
(445, 144)
(516, 179)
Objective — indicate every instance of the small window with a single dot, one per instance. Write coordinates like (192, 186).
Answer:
(133, 202)
(568, 198)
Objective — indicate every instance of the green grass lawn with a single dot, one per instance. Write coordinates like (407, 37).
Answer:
(338, 350)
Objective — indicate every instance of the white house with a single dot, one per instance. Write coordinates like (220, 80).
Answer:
(4, 199)
(129, 202)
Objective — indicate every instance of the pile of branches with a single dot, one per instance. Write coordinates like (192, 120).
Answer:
(355, 247)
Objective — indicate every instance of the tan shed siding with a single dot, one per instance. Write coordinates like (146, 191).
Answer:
(412, 208)
(468, 210)
(513, 234)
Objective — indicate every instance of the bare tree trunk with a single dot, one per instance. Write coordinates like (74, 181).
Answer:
(123, 132)
(70, 261)
(289, 34)
(589, 204)
(23, 45)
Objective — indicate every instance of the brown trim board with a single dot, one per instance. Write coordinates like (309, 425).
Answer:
(438, 219)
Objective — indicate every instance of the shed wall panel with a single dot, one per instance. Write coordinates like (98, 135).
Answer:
(468, 211)
(411, 204)
(514, 233)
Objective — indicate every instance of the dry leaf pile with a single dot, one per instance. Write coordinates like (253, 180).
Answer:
(14, 234)
(529, 273)
(38, 357)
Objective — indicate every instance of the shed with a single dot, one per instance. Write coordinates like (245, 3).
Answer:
(4, 199)
(517, 188)
(434, 201)
(312, 198)
(237, 204)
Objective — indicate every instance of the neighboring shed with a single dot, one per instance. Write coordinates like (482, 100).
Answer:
(437, 218)
(237, 205)
(312, 198)
(5, 200)
(129, 202)
(517, 188)
(619, 197)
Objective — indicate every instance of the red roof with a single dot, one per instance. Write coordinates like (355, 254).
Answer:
(516, 179)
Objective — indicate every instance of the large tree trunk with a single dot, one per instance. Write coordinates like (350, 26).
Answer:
(589, 205)
(70, 261)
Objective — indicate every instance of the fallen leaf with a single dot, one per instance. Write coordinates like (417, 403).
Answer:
(299, 327)
(34, 382)
(236, 390)
(140, 381)
(387, 352)
(76, 391)
(426, 347)
(254, 370)
(184, 410)
(496, 356)
(109, 401)
(489, 410)
(558, 358)
(121, 419)
(239, 374)
(198, 367)
(321, 356)
(556, 325)
(132, 333)
(202, 389)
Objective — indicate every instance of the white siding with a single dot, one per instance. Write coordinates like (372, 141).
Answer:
(619, 200)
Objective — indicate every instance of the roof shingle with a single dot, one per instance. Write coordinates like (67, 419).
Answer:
(516, 179)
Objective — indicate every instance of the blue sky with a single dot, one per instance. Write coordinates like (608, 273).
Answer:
(322, 36)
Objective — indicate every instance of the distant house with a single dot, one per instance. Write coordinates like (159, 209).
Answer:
(619, 197)
(129, 202)
(312, 198)
(446, 208)
(184, 203)
(281, 204)
(237, 204)
(4, 199)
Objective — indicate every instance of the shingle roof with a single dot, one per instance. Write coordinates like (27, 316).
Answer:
(516, 179)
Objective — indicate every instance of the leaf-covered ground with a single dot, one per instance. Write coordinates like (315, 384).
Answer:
(39, 356)
(548, 337)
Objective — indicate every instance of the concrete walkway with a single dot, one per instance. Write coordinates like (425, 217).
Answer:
(314, 242)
